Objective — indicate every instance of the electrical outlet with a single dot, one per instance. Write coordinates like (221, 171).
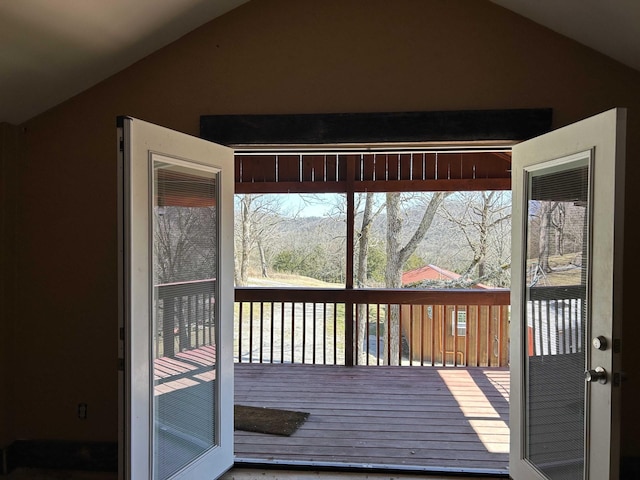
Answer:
(82, 411)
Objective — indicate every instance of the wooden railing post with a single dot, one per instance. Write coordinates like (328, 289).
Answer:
(349, 351)
(168, 325)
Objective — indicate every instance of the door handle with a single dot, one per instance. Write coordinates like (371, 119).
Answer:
(598, 375)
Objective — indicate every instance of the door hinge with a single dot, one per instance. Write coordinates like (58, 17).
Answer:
(121, 364)
(121, 333)
(121, 144)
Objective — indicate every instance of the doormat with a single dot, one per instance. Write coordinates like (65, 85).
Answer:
(268, 420)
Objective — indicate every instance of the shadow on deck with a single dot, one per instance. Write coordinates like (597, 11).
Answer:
(413, 418)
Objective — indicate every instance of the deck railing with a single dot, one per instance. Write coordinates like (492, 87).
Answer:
(185, 316)
(555, 319)
(368, 326)
(372, 326)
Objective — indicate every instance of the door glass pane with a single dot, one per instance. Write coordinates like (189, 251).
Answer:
(556, 313)
(185, 267)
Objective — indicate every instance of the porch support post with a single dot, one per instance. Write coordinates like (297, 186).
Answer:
(349, 350)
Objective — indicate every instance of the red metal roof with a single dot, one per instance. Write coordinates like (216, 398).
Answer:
(431, 272)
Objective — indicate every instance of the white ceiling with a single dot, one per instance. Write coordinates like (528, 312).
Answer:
(52, 50)
(611, 27)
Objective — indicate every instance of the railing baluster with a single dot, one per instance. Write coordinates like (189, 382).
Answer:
(422, 320)
(313, 356)
(399, 333)
(500, 334)
(454, 326)
(304, 331)
(240, 321)
(251, 332)
(281, 332)
(335, 333)
(210, 311)
(366, 332)
(432, 336)
(378, 352)
(293, 331)
(271, 349)
(411, 334)
(488, 336)
(261, 331)
(324, 333)
(466, 335)
(199, 315)
(443, 334)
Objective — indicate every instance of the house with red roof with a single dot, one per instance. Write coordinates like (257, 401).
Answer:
(432, 272)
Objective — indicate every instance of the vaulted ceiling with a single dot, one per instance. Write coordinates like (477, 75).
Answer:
(52, 50)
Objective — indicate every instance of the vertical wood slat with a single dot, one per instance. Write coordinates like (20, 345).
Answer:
(348, 335)
(454, 326)
(424, 319)
(488, 337)
(293, 330)
(379, 354)
(417, 166)
(324, 334)
(258, 168)
(406, 166)
(281, 332)
(288, 168)
(251, 333)
(433, 335)
(261, 323)
(478, 338)
(304, 331)
(379, 167)
(313, 168)
(466, 336)
(335, 333)
(271, 336)
(430, 169)
(240, 323)
(467, 166)
(393, 166)
(410, 340)
(331, 168)
(168, 325)
(313, 357)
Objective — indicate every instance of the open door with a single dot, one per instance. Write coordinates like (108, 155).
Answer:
(568, 204)
(177, 300)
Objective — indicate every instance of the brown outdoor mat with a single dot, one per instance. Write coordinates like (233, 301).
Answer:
(267, 420)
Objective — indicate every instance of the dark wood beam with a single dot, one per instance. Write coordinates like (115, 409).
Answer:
(370, 128)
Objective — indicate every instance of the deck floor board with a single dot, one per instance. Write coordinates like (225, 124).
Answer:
(424, 417)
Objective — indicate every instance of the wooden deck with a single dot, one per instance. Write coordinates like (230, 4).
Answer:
(416, 418)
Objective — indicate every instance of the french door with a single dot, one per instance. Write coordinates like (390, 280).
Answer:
(568, 202)
(176, 302)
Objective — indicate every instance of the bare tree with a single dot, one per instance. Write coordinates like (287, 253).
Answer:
(478, 216)
(370, 212)
(397, 255)
(546, 224)
(184, 243)
(257, 217)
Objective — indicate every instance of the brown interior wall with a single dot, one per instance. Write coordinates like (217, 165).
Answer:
(268, 56)
(9, 158)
